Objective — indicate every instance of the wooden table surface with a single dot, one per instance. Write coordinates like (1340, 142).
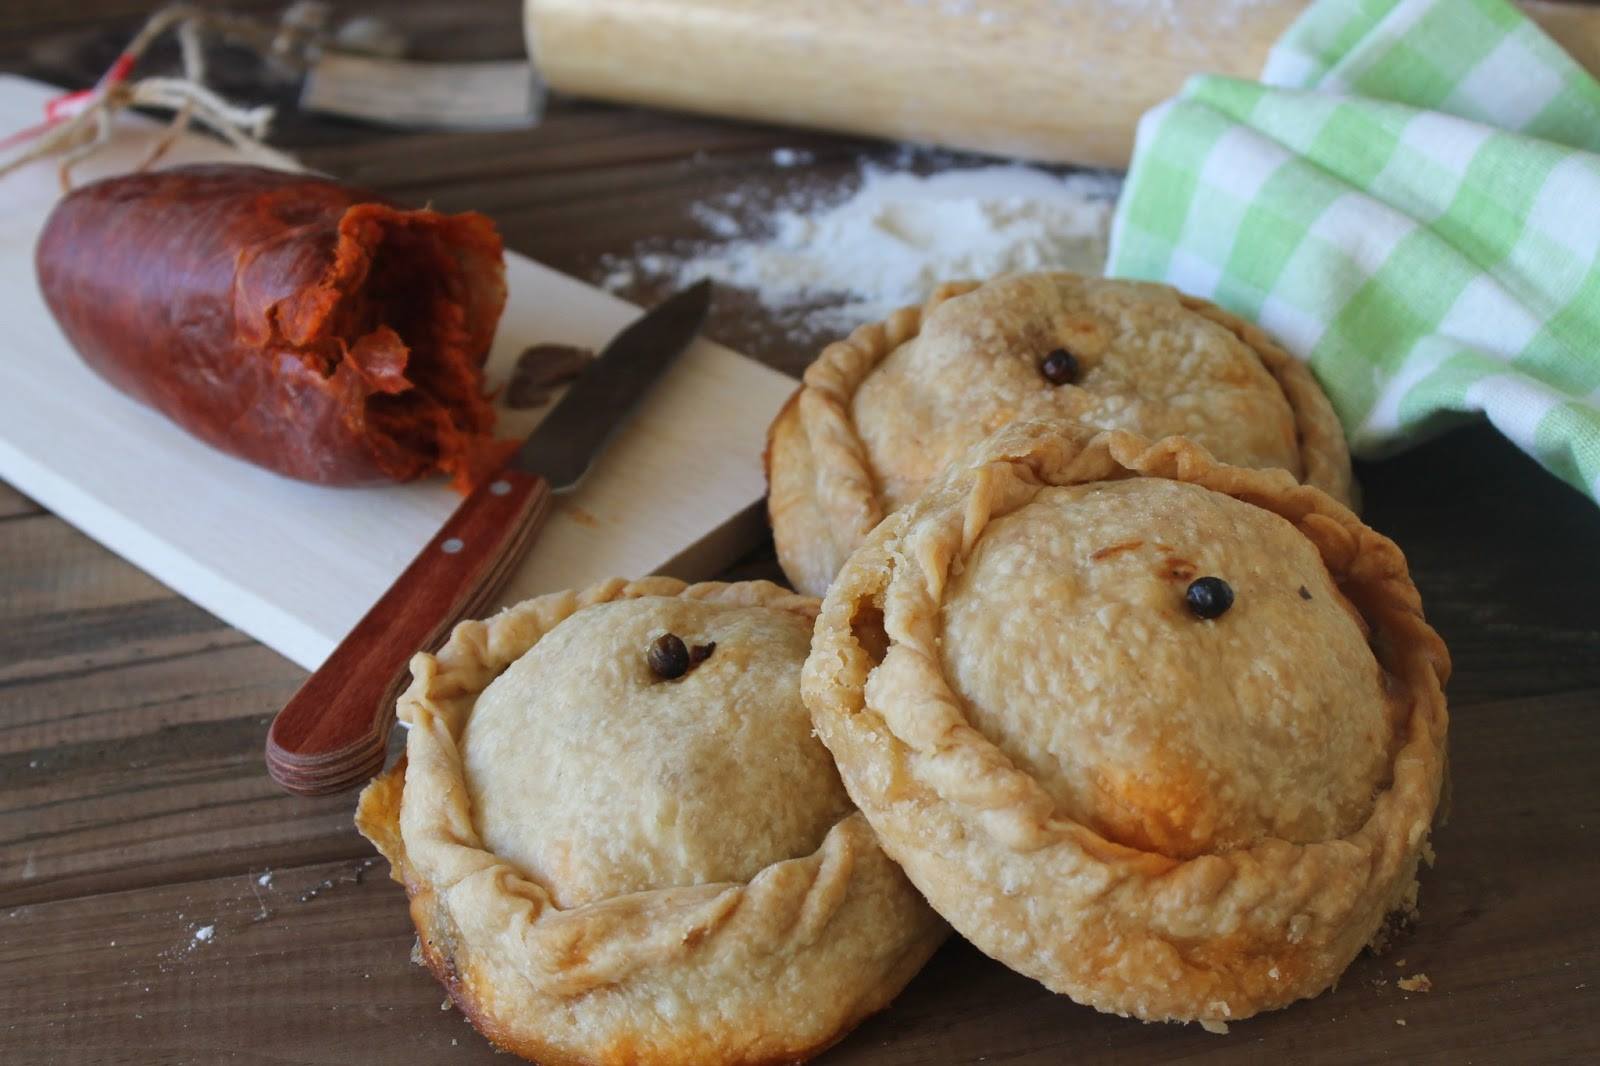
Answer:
(135, 812)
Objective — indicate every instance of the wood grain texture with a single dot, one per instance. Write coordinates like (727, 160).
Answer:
(14, 504)
(134, 809)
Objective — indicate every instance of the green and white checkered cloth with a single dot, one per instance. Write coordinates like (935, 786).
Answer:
(1410, 200)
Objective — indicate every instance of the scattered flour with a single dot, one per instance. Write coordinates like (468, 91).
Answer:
(791, 157)
(205, 933)
(857, 256)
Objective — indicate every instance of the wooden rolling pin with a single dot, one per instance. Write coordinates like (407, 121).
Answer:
(1037, 79)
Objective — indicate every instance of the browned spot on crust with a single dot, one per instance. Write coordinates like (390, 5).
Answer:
(1178, 568)
(1116, 549)
(1084, 337)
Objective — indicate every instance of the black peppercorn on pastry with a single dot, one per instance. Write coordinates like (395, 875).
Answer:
(884, 412)
(1164, 734)
(622, 842)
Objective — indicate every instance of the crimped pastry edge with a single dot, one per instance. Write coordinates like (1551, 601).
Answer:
(458, 890)
(822, 499)
(1212, 939)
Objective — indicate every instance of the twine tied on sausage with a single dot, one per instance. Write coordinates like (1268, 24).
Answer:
(80, 123)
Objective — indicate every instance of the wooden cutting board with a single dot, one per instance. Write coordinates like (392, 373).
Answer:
(296, 565)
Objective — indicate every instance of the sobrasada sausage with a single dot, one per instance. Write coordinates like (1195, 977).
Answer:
(305, 326)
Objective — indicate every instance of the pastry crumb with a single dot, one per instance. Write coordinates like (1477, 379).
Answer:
(1399, 1021)
(1417, 982)
(1210, 1026)
(1399, 964)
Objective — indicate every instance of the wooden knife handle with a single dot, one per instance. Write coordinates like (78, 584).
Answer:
(334, 733)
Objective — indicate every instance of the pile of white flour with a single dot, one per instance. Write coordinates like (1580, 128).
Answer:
(848, 257)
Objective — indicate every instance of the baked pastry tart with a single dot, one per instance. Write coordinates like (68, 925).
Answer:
(622, 842)
(885, 411)
(1163, 734)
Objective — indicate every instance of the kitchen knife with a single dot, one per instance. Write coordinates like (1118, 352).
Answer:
(333, 734)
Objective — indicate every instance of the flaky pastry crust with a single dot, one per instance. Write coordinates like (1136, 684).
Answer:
(852, 445)
(1189, 925)
(768, 970)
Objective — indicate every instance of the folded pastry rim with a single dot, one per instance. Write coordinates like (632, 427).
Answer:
(1289, 916)
(827, 501)
(462, 895)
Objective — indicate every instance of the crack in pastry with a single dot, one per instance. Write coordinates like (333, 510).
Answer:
(1169, 805)
(884, 412)
(607, 866)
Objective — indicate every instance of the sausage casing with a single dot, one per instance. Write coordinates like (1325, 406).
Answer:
(289, 320)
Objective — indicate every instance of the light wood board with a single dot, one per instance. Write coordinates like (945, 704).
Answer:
(296, 565)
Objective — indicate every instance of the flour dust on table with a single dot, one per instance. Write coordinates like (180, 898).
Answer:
(841, 255)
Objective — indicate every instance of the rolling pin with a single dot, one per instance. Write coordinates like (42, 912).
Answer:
(1035, 79)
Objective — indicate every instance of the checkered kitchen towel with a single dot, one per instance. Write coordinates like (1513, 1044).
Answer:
(1410, 200)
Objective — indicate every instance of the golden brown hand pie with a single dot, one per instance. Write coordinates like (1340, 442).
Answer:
(625, 848)
(1164, 734)
(882, 413)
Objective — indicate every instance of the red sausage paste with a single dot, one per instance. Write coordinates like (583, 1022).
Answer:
(286, 319)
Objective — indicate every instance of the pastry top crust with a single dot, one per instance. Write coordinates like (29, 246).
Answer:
(592, 920)
(599, 778)
(883, 412)
(1067, 634)
(1158, 814)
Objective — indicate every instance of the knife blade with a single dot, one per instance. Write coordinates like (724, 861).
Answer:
(565, 443)
(333, 733)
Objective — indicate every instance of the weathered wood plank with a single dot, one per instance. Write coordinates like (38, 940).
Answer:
(1499, 550)
(134, 808)
(51, 568)
(14, 504)
(306, 956)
